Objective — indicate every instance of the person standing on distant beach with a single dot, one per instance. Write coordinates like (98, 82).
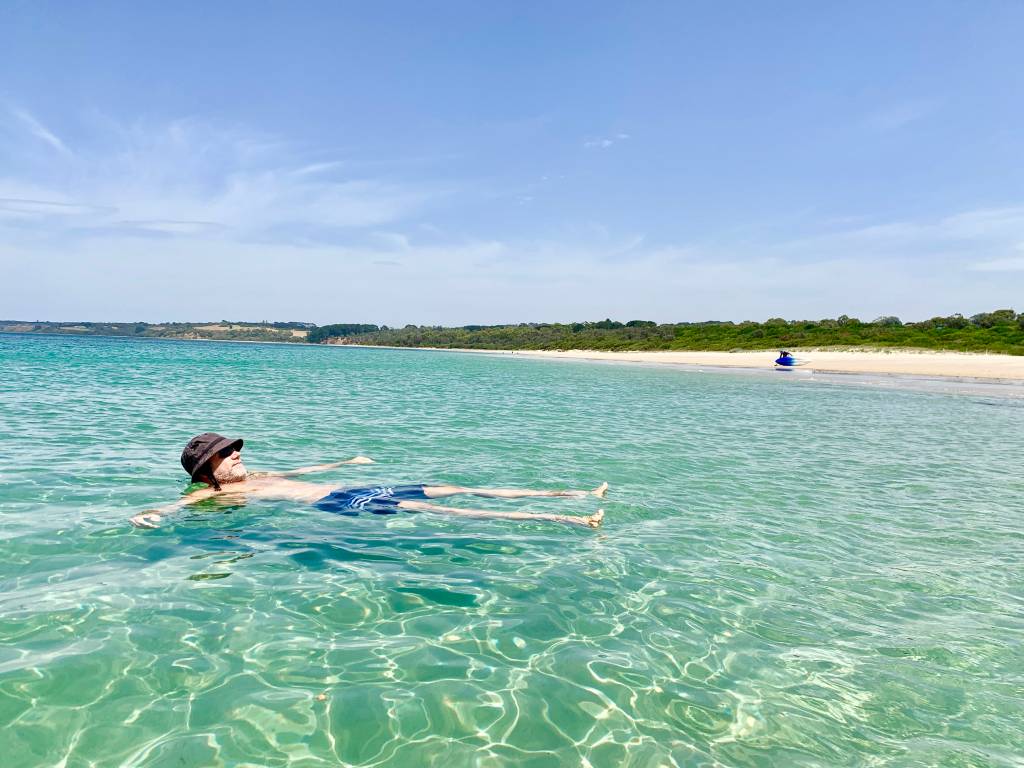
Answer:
(217, 461)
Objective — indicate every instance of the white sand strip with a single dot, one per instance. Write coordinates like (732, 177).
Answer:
(913, 363)
(967, 365)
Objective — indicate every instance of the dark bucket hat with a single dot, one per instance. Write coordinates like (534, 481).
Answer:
(202, 448)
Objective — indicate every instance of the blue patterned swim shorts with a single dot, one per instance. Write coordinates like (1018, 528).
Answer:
(382, 500)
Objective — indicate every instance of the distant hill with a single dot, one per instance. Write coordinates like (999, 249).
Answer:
(220, 331)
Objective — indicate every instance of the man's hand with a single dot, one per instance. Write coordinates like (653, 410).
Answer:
(359, 460)
(148, 519)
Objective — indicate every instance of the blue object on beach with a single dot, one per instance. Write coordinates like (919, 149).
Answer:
(786, 360)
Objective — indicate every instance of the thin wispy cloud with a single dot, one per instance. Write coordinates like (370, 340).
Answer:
(968, 237)
(192, 177)
(604, 142)
(392, 240)
(889, 268)
(896, 116)
(39, 130)
(168, 227)
(1013, 263)
(316, 168)
(14, 207)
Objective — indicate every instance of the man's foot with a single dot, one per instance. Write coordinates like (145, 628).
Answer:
(600, 491)
(595, 520)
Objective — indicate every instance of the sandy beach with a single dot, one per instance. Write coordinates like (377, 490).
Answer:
(923, 363)
(953, 365)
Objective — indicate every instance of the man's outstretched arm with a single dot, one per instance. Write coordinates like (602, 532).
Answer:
(150, 518)
(317, 467)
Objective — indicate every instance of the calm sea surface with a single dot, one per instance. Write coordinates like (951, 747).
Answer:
(790, 574)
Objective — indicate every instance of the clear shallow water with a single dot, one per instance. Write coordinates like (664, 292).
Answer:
(789, 574)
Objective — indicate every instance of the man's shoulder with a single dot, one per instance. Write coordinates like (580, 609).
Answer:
(200, 492)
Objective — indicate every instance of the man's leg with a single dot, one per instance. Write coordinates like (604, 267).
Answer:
(591, 521)
(441, 491)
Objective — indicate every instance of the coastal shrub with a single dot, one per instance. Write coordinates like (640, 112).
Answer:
(999, 317)
(339, 330)
(954, 333)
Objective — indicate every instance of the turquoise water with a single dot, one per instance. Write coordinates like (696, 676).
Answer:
(790, 574)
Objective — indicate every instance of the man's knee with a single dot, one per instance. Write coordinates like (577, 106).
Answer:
(437, 491)
(413, 506)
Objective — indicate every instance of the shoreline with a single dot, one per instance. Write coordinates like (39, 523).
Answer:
(944, 366)
(896, 362)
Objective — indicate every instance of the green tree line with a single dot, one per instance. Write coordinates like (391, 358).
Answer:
(339, 331)
(999, 331)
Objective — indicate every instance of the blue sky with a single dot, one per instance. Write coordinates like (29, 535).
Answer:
(452, 163)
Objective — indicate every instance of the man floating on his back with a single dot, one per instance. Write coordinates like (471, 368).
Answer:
(217, 461)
